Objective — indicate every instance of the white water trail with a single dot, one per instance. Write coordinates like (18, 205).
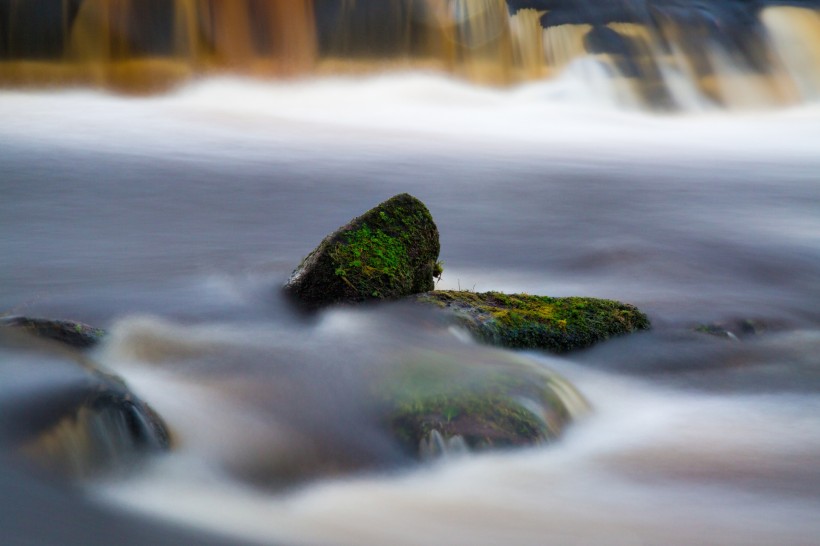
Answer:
(565, 119)
(651, 466)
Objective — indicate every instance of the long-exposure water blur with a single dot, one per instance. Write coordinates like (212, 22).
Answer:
(165, 165)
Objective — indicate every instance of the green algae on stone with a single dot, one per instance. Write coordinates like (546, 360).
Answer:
(522, 321)
(496, 404)
(68, 332)
(734, 329)
(389, 252)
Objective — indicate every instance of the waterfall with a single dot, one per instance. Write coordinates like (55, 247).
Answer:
(658, 53)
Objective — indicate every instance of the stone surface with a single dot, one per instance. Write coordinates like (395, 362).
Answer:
(522, 321)
(440, 402)
(734, 329)
(389, 252)
(69, 332)
(76, 420)
(107, 429)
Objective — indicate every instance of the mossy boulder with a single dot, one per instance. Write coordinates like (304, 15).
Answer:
(486, 403)
(522, 321)
(68, 332)
(389, 252)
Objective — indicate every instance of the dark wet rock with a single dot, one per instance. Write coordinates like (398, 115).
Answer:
(108, 429)
(522, 321)
(69, 332)
(736, 329)
(716, 330)
(389, 252)
(439, 405)
(601, 39)
(77, 420)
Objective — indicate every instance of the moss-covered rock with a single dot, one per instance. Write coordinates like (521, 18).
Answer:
(68, 332)
(522, 321)
(502, 402)
(387, 253)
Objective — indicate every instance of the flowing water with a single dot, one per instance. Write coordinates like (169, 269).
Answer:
(172, 220)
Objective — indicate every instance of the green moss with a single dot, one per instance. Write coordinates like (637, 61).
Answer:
(438, 270)
(523, 321)
(371, 261)
(497, 405)
(387, 253)
(482, 419)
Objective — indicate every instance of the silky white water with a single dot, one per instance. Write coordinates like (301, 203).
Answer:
(652, 464)
(173, 220)
(401, 112)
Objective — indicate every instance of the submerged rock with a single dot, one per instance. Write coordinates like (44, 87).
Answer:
(389, 252)
(77, 421)
(735, 330)
(68, 332)
(522, 321)
(106, 429)
(441, 405)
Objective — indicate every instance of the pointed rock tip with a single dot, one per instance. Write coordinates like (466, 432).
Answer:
(387, 253)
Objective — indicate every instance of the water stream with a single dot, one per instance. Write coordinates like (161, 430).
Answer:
(172, 219)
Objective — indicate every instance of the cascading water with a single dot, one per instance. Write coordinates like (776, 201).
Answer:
(165, 164)
(657, 53)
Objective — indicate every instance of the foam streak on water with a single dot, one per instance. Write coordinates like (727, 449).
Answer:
(573, 115)
(650, 466)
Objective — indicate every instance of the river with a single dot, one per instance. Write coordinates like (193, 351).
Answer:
(172, 220)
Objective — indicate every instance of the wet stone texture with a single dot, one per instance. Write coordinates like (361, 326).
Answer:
(389, 252)
(522, 321)
(495, 401)
(72, 333)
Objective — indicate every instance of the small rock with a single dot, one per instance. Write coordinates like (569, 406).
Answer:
(77, 421)
(69, 332)
(735, 329)
(108, 430)
(389, 252)
(522, 321)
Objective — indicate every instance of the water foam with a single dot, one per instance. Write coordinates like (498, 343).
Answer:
(223, 119)
(651, 466)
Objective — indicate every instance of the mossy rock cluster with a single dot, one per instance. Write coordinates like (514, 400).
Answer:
(68, 332)
(522, 321)
(389, 252)
(486, 404)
